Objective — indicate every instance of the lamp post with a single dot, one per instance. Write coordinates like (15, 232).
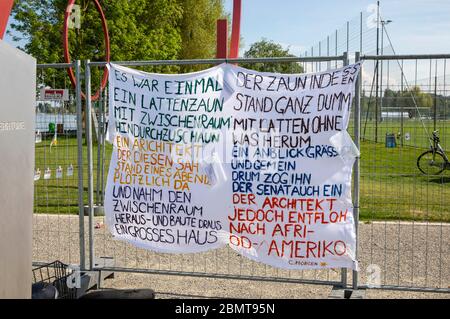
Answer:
(377, 63)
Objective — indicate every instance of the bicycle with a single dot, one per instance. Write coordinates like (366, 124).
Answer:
(433, 161)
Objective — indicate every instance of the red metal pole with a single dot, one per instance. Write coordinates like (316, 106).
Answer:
(5, 11)
(222, 38)
(65, 39)
(236, 29)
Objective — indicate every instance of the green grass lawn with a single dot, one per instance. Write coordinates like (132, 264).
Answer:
(392, 187)
(415, 128)
(56, 196)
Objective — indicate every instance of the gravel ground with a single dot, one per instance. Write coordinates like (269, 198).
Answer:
(406, 254)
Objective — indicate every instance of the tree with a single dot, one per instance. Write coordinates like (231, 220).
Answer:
(138, 29)
(198, 28)
(408, 100)
(389, 98)
(422, 99)
(268, 49)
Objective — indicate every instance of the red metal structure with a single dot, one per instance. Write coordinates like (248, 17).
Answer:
(5, 11)
(67, 58)
(236, 29)
(222, 38)
(222, 34)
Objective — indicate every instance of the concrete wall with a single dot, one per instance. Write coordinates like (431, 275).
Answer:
(17, 111)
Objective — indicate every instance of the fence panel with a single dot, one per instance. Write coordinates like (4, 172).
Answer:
(58, 193)
(358, 34)
(404, 232)
(220, 263)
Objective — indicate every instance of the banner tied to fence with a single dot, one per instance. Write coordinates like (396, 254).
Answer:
(261, 162)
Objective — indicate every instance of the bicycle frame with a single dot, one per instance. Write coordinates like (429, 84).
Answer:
(437, 147)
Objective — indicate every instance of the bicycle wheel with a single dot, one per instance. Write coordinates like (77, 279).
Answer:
(431, 163)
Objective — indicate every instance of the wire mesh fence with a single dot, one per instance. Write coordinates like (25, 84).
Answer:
(411, 95)
(358, 34)
(220, 263)
(56, 229)
(403, 230)
(405, 234)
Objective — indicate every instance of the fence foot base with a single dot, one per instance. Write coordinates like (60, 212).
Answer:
(340, 293)
(93, 279)
(98, 210)
(103, 262)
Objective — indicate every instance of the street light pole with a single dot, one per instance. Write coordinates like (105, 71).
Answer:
(383, 23)
(377, 70)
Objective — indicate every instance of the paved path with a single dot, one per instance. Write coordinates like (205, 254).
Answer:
(406, 254)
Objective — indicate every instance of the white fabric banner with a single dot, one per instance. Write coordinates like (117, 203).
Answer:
(157, 195)
(229, 156)
(292, 195)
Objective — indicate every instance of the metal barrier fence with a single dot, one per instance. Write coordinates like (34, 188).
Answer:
(221, 263)
(58, 233)
(403, 232)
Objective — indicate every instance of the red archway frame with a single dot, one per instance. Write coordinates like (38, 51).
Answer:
(67, 58)
(5, 10)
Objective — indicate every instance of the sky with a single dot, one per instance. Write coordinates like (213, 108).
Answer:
(419, 26)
